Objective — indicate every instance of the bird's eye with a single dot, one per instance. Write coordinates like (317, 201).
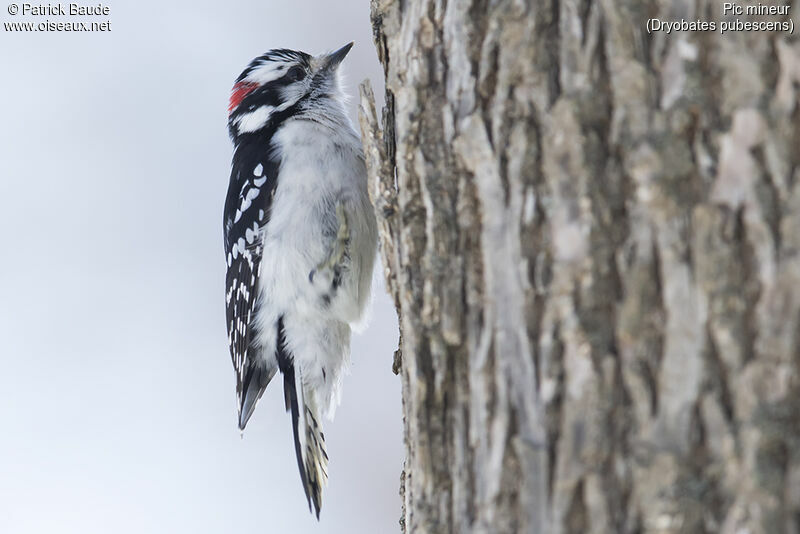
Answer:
(296, 73)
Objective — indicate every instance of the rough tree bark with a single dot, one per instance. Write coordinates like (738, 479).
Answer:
(592, 237)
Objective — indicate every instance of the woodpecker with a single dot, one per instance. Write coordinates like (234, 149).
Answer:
(300, 241)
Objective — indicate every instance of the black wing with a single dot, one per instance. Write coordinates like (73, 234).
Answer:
(247, 208)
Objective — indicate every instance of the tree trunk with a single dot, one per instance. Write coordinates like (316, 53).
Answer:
(592, 237)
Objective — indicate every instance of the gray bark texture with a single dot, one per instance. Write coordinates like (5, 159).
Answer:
(592, 237)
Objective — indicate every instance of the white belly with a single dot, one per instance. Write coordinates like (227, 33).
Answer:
(316, 174)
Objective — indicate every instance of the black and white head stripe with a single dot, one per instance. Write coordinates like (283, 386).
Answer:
(272, 83)
(273, 65)
(279, 84)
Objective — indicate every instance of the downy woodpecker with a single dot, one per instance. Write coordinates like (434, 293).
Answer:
(300, 241)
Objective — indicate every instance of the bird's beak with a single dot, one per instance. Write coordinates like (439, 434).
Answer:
(332, 60)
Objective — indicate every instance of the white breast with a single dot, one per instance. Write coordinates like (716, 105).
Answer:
(319, 167)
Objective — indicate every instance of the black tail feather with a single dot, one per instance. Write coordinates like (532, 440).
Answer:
(255, 382)
(311, 486)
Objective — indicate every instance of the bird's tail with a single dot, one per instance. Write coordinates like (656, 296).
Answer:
(309, 440)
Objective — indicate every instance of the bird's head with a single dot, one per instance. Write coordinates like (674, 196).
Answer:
(281, 84)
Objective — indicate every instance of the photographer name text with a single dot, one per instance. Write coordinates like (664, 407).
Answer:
(64, 10)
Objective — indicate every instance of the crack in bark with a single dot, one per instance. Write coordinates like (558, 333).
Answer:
(718, 376)
(553, 39)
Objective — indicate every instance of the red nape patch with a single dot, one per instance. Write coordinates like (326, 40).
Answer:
(239, 92)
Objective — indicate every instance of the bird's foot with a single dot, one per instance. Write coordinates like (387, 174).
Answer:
(330, 266)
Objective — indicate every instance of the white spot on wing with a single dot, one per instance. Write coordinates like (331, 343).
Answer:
(260, 181)
(259, 170)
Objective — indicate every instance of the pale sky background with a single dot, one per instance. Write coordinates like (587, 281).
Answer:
(117, 405)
